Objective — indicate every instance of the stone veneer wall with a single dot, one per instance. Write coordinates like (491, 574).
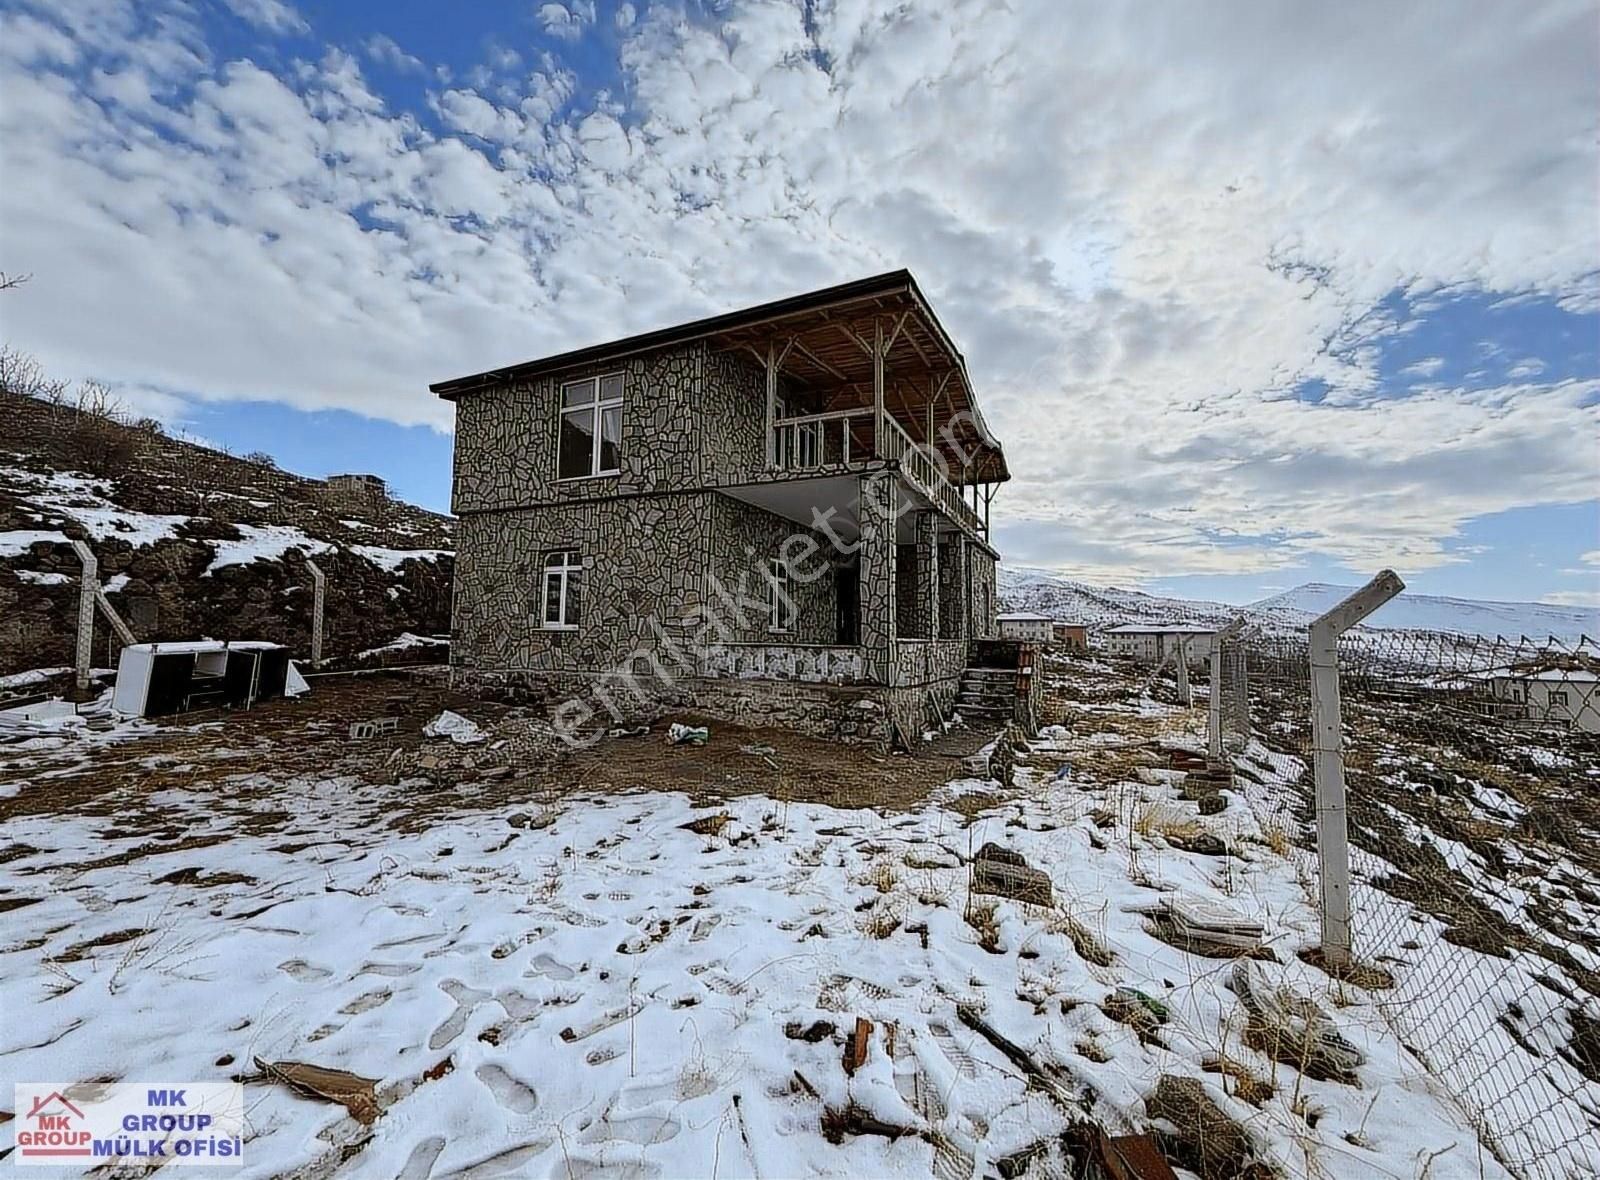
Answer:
(857, 714)
(983, 592)
(743, 539)
(644, 558)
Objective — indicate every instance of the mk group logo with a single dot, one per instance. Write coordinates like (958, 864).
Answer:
(168, 1123)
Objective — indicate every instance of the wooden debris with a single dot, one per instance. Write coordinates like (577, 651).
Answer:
(854, 1120)
(855, 1045)
(356, 1094)
(1052, 1079)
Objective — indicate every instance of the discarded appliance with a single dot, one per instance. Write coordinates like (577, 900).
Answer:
(158, 679)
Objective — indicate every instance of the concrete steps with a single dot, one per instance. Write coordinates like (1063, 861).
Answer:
(988, 693)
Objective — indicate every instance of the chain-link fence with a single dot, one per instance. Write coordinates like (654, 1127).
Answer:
(1473, 776)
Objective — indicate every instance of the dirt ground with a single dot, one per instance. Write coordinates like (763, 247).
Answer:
(236, 757)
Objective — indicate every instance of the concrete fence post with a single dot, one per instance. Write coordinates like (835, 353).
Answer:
(88, 589)
(1185, 694)
(1327, 752)
(319, 595)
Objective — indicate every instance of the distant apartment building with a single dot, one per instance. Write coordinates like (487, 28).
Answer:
(1151, 643)
(1026, 627)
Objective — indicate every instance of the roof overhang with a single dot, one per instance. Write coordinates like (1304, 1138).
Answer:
(826, 339)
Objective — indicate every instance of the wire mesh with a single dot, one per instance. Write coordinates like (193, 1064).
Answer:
(1472, 768)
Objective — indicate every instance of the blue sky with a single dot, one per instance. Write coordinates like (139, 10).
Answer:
(1254, 298)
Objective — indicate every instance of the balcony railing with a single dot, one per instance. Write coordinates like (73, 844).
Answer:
(852, 438)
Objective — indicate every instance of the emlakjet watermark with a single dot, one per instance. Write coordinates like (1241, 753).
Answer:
(171, 1123)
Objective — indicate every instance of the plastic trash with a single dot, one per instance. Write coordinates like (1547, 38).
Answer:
(687, 735)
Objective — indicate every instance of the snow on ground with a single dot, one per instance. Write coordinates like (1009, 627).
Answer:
(405, 642)
(612, 990)
(42, 578)
(16, 542)
(391, 559)
(269, 542)
(32, 676)
(88, 502)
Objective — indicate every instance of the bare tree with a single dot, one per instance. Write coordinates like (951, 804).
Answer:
(7, 281)
(99, 439)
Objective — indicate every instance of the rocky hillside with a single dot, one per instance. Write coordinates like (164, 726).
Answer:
(193, 542)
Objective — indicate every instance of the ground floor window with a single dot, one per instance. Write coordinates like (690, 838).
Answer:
(563, 589)
(781, 615)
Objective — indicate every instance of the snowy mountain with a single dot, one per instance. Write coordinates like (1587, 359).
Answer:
(1067, 601)
(1025, 588)
(1428, 612)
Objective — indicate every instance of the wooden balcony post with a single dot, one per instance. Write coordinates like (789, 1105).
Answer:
(772, 405)
(877, 388)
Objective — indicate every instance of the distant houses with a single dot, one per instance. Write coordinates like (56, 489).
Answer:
(1546, 695)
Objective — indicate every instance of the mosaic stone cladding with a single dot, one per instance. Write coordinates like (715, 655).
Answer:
(674, 596)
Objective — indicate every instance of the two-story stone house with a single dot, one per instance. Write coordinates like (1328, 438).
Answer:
(778, 515)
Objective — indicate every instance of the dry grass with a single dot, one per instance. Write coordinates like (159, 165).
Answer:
(1090, 947)
(1158, 819)
(882, 876)
(983, 918)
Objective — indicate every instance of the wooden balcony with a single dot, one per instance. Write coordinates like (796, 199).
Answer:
(858, 439)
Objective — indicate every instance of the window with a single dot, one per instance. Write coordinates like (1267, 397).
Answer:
(781, 616)
(591, 427)
(563, 590)
(1558, 697)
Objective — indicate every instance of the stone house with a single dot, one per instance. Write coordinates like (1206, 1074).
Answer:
(778, 515)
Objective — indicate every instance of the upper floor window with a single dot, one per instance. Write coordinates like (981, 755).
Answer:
(781, 614)
(1558, 698)
(563, 589)
(591, 427)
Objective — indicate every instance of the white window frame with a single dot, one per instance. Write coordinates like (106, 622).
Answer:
(595, 407)
(559, 564)
(780, 604)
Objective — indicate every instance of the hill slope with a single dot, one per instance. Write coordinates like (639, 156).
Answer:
(194, 542)
(1024, 588)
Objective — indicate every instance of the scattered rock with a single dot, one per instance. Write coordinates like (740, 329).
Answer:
(1213, 804)
(1000, 871)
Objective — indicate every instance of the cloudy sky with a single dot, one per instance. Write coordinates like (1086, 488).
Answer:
(1254, 293)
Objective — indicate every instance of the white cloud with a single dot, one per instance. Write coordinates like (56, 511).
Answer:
(275, 16)
(385, 49)
(566, 21)
(1528, 367)
(1573, 598)
(1426, 367)
(1144, 228)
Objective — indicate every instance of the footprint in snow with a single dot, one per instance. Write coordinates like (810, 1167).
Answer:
(549, 966)
(643, 1129)
(303, 972)
(419, 1164)
(367, 1002)
(951, 1048)
(602, 1022)
(512, 1162)
(510, 1092)
(466, 998)
(388, 970)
